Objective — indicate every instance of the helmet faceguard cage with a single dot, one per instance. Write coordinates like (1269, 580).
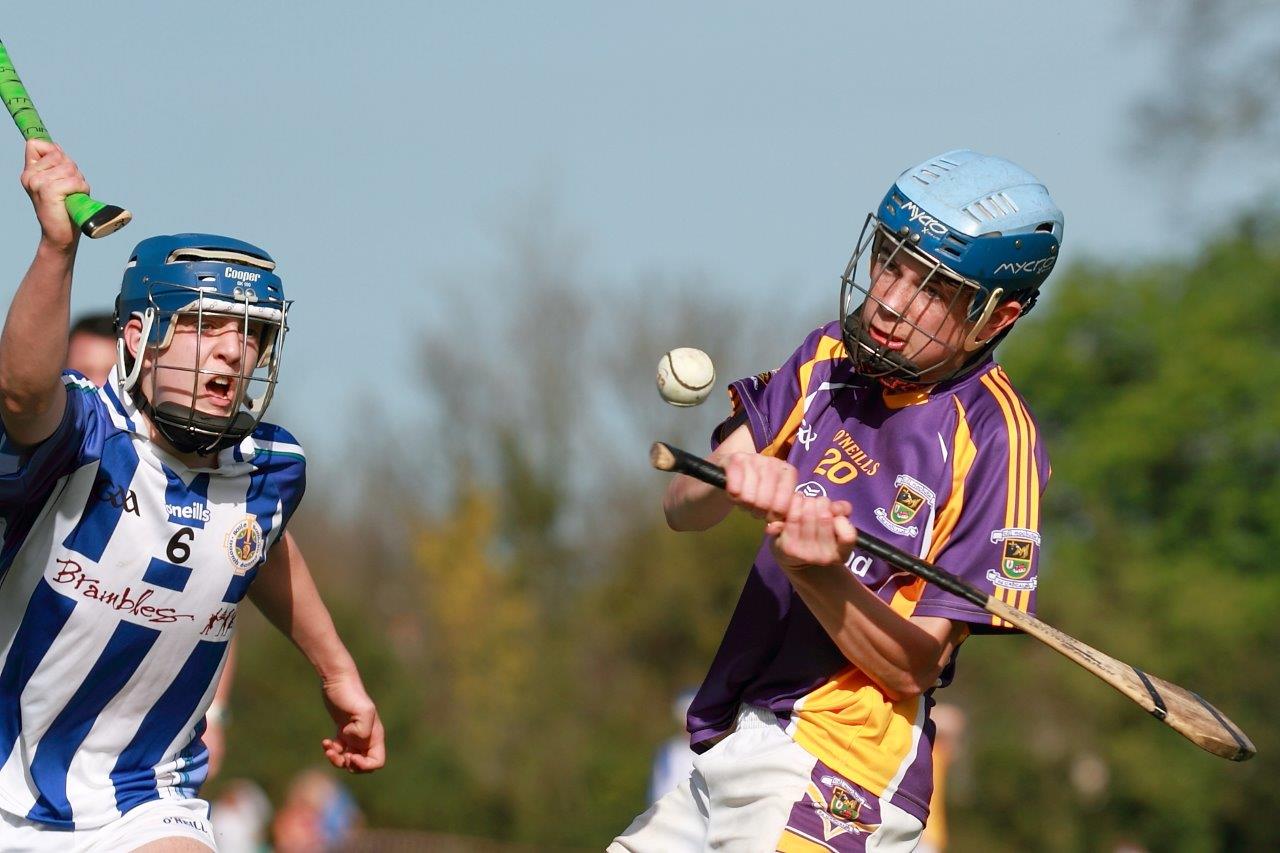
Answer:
(225, 295)
(908, 316)
(980, 231)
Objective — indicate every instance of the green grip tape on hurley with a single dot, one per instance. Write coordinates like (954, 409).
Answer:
(82, 208)
(18, 102)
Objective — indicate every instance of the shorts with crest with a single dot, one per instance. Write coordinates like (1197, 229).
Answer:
(757, 790)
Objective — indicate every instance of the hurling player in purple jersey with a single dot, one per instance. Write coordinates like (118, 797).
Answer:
(135, 517)
(813, 727)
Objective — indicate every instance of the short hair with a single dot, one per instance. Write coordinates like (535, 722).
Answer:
(101, 324)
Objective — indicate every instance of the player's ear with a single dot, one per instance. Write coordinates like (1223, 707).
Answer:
(133, 337)
(1004, 316)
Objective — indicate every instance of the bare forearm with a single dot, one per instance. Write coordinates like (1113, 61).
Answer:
(33, 346)
(222, 695)
(902, 658)
(319, 642)
(690, 504)
(286, 594)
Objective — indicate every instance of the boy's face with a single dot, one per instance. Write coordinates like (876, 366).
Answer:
(207, 369)
(93, 355)
(918, 312)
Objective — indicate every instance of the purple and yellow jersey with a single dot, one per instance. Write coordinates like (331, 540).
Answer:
(954, 476)
(121, 574)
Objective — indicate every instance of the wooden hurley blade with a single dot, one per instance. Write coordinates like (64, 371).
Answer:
(1180, 709)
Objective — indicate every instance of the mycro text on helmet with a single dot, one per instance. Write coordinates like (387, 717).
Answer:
(929, 223)
(1023, 267)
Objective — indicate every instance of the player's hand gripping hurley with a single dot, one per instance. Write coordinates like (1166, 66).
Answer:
(1183, 711)
(92, 217)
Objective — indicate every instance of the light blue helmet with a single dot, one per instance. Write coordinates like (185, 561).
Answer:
(203, 276)
(971, 219)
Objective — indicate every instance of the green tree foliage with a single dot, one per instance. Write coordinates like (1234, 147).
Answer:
(1156, 392)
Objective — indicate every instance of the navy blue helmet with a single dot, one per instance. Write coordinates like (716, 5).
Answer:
(202, 277)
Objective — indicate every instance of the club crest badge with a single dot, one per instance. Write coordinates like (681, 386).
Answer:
(245, 544)
(905, 505)
(1017, 552)
(910, 497)
(842, 809)
(1016, 561)
(843, 806)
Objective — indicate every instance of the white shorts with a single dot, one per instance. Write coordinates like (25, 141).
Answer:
(142, 824)
(758, 790)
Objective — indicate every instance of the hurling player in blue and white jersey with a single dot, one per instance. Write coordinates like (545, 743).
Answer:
(135, 517)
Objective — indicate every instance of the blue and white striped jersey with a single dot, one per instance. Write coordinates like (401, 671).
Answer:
(121, 571)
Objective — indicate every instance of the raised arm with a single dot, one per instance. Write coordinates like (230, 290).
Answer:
(286, 594)
(33, 346)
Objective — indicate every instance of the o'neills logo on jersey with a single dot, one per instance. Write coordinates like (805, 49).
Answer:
(194, 511)
(245, 544)
(855, 454)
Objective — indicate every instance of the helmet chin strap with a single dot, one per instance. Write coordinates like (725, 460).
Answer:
(191, 431)
(128, 379)
(971, 342)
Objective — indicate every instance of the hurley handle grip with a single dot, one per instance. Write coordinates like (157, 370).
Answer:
(94, 218)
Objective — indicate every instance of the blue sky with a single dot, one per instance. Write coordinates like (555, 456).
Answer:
(380, 150)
